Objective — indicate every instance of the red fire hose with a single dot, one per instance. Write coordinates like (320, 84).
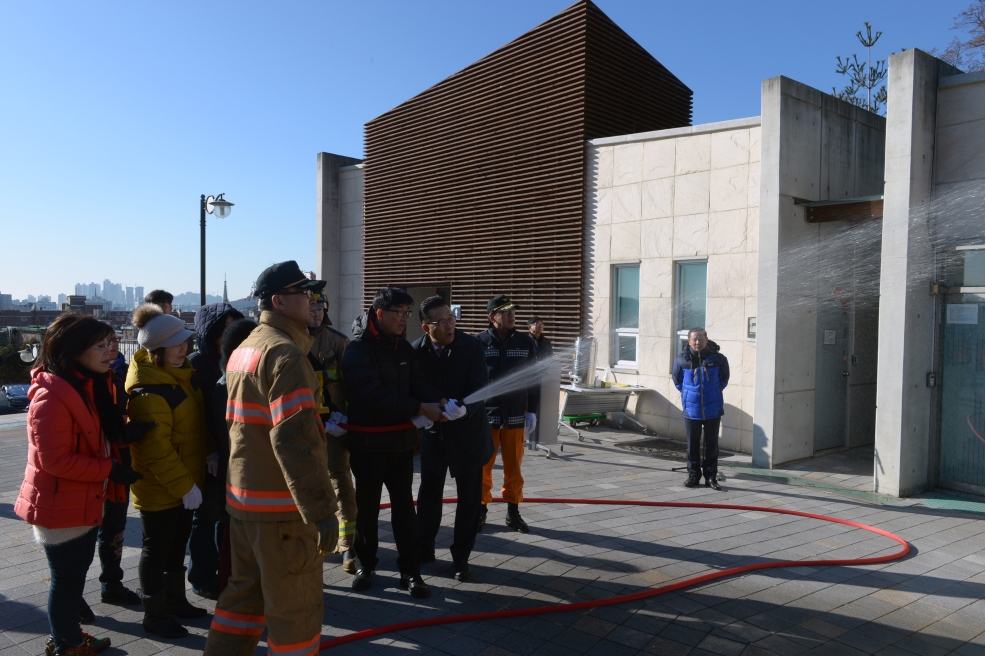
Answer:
(643, 594)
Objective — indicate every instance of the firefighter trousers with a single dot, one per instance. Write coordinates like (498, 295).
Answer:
(277, 584)
(510, 442)
(342, 482)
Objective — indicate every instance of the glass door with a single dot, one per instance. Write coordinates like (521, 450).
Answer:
(961, 381)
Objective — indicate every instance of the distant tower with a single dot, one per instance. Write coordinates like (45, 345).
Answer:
(225, 295)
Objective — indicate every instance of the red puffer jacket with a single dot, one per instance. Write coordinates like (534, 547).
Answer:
(68, 459)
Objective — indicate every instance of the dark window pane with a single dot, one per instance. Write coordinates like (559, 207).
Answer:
(627, 297)
(627, 348)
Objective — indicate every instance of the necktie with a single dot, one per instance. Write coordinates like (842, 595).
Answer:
(439, 350)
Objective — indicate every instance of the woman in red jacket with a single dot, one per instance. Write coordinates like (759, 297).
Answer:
(70, 471)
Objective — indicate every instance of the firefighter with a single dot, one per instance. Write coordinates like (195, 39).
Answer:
(326, 356)
(512, 413)
(278, 491)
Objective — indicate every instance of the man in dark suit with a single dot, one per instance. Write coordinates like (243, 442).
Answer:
(453, 363)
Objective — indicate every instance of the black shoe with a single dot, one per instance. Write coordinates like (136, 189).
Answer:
(482, 518)
(86, 616)
(362, 579)
(427, 557)
(119, 596)
(415, 585)
(514, 521)
(713, 483)
(462, 571)
(692, 481)
(209, 592)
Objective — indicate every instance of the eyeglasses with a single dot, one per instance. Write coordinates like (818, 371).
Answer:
(443, 323)
(306, 292)
(401, 313)
(110, 345)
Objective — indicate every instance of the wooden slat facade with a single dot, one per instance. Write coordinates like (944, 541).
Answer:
(479, 181)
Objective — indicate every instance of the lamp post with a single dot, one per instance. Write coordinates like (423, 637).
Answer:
(221, 208)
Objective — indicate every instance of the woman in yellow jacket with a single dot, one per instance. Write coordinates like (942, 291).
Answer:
(173, 458)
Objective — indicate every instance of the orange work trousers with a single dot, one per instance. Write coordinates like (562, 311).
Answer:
(510, 443)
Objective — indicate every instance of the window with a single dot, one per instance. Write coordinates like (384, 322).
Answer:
(626, 311)
(689, 300)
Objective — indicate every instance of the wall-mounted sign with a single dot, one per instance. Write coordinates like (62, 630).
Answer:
(751, 327)
(829, 337)
(962, 313)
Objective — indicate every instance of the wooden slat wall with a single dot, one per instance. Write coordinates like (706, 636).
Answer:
(479, 181)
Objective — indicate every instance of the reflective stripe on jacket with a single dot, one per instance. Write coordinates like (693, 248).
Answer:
(278, 468)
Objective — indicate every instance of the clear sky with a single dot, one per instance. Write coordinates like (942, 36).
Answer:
(116, 116)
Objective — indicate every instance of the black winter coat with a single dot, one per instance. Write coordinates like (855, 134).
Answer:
(503, 357)
(464, 444)
(205, 361)
(383, 386)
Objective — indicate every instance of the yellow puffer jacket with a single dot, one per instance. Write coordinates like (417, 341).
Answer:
(172, 454)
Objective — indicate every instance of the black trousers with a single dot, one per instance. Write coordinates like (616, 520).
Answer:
(372, 470)
(697, 465)
(165, 536)
(469, 491)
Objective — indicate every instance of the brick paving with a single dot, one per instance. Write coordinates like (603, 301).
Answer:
(929, 603)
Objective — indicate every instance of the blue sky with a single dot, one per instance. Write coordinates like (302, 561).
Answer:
(115, 117)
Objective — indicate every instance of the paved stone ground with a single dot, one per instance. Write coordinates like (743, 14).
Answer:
(927, 604)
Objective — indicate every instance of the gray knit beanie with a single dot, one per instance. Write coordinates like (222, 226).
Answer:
(162, 331)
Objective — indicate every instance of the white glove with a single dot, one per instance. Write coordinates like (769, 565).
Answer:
(421, 421)
(338, 418)
(530, 421)
(212, 463)
(193, 499)
(334, 429)
(454, 411)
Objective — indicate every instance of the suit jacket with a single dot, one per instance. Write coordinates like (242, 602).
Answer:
(463, 444)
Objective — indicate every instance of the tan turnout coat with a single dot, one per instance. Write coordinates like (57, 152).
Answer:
(278, 469)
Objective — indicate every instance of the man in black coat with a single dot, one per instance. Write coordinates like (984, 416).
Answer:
(512, 413)
(385, 390)
(454, 363)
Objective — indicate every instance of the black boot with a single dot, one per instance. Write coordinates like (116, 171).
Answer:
(514, 521)
(692, 481)
(157, 619)
(482, 518)
(177, 602)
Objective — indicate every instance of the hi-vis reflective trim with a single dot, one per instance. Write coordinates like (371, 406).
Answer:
(248, 413)
(244, 359)
(517, 353)
(291, 404)
(297, 649)
(238, 623)
(347, 528)
(260, 501)
(333, 375)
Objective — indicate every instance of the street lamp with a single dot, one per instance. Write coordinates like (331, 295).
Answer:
(220, 207)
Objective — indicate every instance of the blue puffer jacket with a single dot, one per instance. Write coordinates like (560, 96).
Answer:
(701, 377)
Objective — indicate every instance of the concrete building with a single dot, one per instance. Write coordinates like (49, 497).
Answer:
(836, 258)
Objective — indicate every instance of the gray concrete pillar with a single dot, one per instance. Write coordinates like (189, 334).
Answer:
(907, 309)
(328, 228)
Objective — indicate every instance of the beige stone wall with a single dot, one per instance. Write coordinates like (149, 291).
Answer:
(663, 197)
(351, 246)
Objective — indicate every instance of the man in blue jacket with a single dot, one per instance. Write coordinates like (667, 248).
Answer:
(700, 373)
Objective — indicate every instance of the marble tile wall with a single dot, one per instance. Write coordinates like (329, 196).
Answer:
(660, 201)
